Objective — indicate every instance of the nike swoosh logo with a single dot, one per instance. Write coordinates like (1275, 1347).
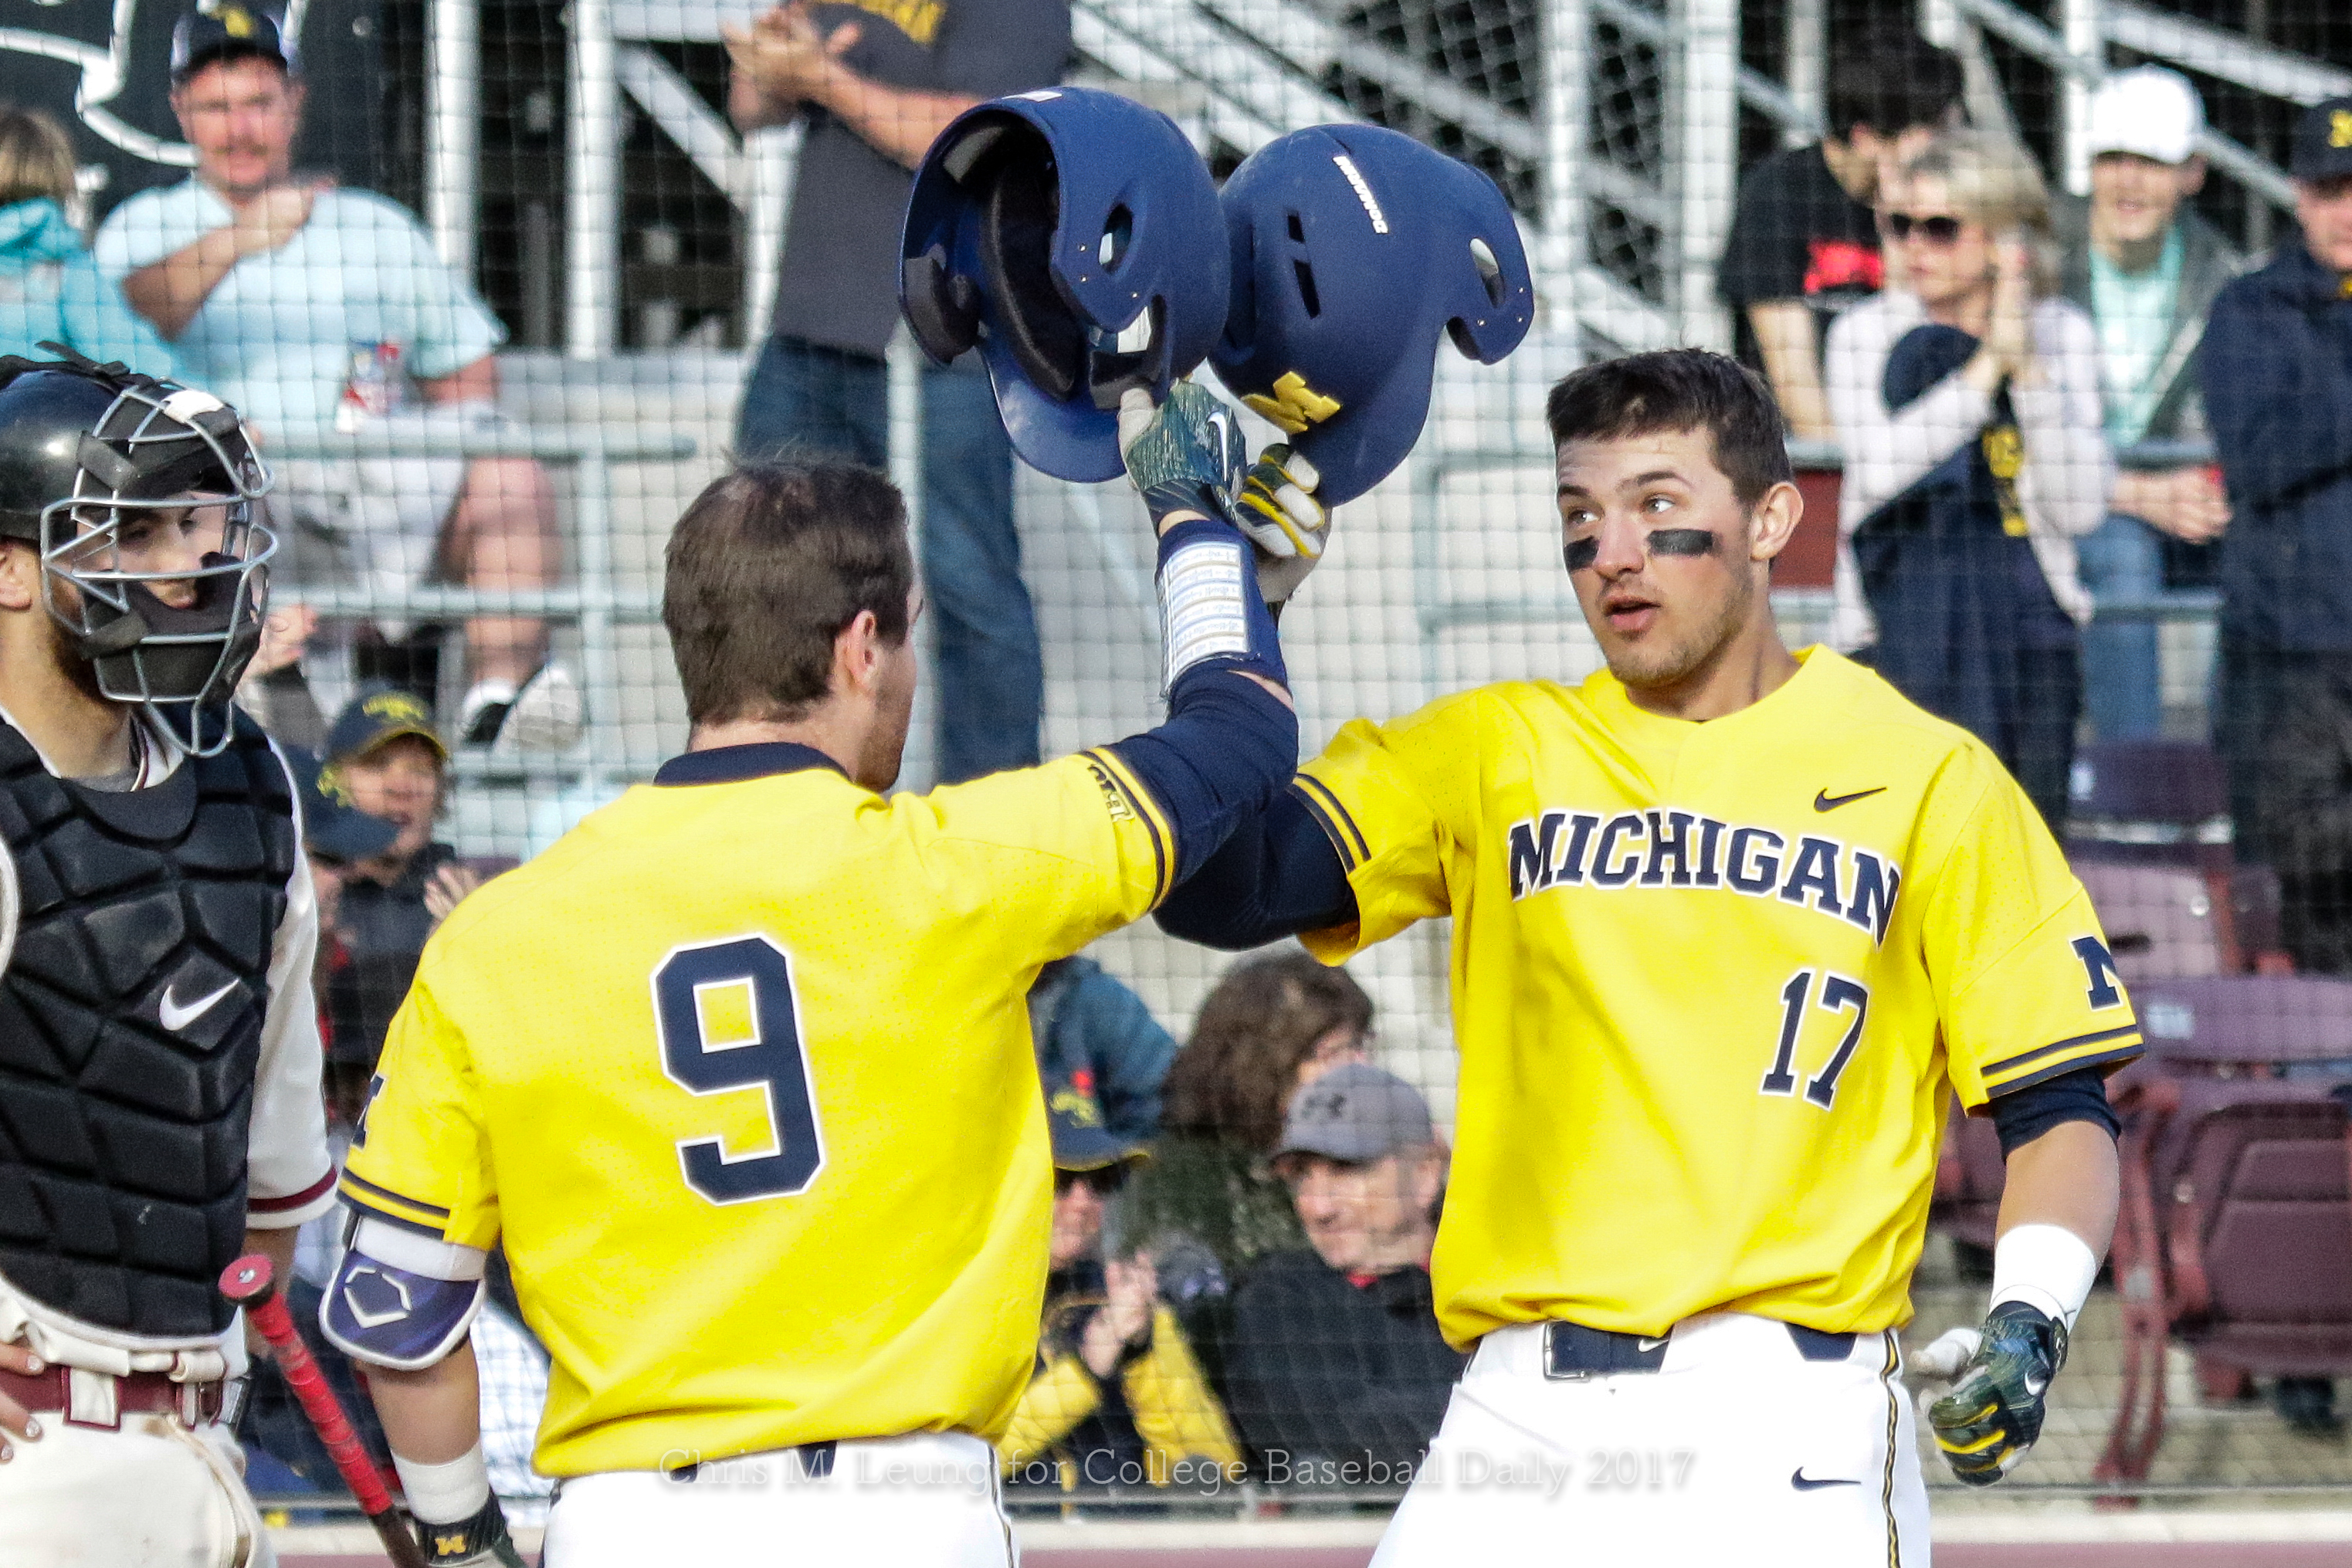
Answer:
(175, 1017)
(1825, 802)
(1646, 1345)
(1803, 1482)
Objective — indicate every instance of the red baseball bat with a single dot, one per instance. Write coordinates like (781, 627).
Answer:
(247, 1281)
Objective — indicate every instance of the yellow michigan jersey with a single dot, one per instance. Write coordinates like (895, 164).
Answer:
(741, 1071)
(1710, 982)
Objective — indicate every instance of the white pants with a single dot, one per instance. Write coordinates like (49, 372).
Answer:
(152, 1495)
(924, 1501)
(1738, 1450)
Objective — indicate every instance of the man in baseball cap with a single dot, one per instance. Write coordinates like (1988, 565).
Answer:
(1335, 1358)
(2277, 380)
(2146, 266)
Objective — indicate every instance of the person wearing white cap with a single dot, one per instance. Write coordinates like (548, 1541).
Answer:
(2146, 266)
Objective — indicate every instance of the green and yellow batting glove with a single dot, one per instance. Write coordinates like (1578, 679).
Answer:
(1993, 1414)
(1282, 517)
(1186, 455)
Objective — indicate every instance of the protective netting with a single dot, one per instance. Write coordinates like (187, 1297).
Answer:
(492, 292)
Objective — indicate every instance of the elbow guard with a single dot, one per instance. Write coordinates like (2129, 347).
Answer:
(400, 1300)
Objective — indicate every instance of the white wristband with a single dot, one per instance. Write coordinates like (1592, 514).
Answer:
(447, 1493)
(2047, 1267)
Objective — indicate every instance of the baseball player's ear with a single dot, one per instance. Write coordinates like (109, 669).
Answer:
(1773, 520)
(20, 576)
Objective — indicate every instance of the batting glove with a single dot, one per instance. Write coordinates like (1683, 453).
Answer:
(1993, 1414)
(1186, 455)
(1282, 517)
(471, 1543)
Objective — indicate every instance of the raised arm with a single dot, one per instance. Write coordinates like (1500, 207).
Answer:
(170, 292)
(2069, 472)
(783, 61)
(1886, 449)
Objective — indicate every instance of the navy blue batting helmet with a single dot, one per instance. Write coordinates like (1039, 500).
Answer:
(1354, 250)
(1075, 237)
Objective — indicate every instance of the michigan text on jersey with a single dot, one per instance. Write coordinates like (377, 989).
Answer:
(1665, 848)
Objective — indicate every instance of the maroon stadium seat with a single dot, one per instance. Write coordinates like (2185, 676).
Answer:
(2148, 831)
(2236, 1231)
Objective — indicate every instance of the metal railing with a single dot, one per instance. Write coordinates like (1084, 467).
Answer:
(595, 600)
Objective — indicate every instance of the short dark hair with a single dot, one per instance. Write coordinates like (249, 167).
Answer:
(1890, 79)
(1679, 389)
(766, 568)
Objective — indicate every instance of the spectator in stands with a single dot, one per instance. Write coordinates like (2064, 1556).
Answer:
(1090, 1027)
(2276, 368)
(384, 757)
(337, 836)
(1118, 1399)
(51, 291)
(1335, 1370)
(1273, 1025)
(310, 309)
(2147, 268)
(1804, 242)
(1967, 401)
(875, 84)
(2306, 824)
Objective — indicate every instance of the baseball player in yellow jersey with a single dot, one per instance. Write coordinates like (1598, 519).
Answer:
(740, 1071)
(1731, 924)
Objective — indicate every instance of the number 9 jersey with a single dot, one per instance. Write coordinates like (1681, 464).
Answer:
(1711, 982)
(740, 1072)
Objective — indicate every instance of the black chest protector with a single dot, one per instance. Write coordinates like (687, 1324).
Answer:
(130, 1020)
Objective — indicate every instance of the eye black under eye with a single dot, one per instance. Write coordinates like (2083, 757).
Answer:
(1681, 541)
(1581, 553)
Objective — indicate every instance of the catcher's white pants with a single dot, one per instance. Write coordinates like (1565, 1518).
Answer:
(923, 1500)
(1737, 1451)
(153, 1494)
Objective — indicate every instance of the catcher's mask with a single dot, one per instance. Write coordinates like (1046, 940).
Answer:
(138, 496)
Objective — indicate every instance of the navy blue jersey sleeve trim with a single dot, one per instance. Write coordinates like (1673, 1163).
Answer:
(1228, 747)
(2025, 1114)
(1280, 874)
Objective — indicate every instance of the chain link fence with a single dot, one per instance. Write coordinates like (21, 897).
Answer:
(492, 393)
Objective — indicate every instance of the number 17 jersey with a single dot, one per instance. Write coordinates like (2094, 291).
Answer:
(1713, 983)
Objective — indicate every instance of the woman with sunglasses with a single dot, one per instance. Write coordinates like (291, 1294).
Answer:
(1967, 397)
(1118, 1401)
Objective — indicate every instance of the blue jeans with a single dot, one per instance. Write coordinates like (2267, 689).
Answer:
(2122, 558)
(831, 402)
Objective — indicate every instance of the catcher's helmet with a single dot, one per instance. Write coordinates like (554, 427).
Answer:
(1073, 235)
(1354, 249)
(93, 458)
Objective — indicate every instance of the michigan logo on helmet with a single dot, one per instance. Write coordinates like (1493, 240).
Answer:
(1074, 237)
(141, 497)
(1354, 250)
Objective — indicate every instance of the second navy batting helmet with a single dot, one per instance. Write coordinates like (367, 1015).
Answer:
(1354, 250)
(1074, 236)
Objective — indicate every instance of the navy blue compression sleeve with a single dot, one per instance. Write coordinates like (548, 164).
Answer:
(1228, 747)
(1276, 875)
(2078, 1096)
